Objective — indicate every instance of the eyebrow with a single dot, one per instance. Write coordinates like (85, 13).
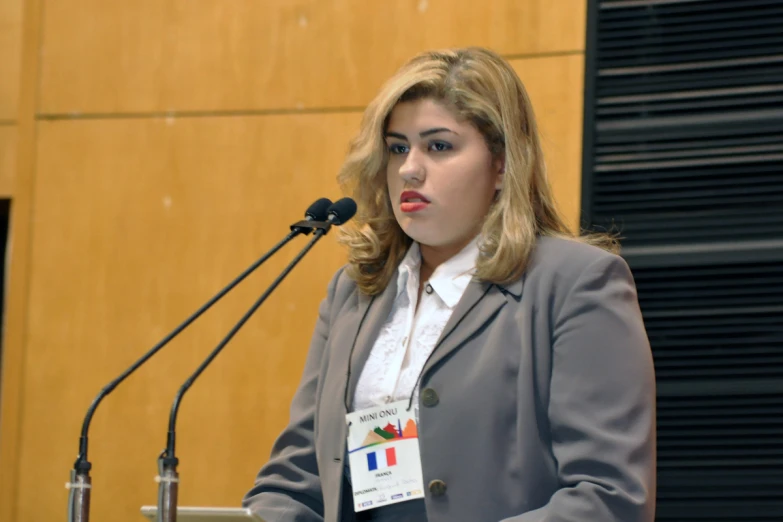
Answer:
(422, 134)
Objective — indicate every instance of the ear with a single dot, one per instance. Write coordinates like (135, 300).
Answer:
(500, 169)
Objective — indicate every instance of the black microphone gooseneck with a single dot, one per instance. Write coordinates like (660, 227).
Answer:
(80, 484)
(168, 478)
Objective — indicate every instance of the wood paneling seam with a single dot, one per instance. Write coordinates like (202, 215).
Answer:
(196, 114)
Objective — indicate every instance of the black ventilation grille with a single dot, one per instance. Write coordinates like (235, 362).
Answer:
(687, 111)
(651, 33)
(716, 330)
(683, 155)
(720, 455)
(714, 321)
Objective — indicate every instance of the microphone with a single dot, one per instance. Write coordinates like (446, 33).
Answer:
(336, 214)
(341, 211)
(317, 212)
(168, 478)
(80, 484)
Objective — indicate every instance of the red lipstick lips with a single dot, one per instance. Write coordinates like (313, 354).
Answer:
(412, 201)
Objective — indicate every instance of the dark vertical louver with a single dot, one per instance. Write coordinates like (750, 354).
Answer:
(5, 211)
(683, 156)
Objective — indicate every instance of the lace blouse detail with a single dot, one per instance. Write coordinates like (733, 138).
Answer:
(409, 336)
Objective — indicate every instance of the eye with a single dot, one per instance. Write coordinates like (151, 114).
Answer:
(440, 146)
(397, 148)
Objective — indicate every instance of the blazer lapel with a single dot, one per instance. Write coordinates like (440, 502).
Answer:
(376, 311)
(478, 305)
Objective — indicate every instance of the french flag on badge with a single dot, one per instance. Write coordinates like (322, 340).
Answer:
(381, 459)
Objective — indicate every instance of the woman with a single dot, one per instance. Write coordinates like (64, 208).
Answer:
(509, 356)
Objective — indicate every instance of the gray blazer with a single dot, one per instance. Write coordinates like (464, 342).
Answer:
(537, 404)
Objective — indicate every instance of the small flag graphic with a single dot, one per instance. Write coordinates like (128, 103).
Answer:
(381, 459)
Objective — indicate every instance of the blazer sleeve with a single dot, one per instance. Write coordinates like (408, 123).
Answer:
(288, 487)
(602, 403)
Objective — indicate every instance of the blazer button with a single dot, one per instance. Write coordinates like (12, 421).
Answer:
(437, 488)
(429, 398)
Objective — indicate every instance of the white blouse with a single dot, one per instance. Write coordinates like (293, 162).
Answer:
(409, 335)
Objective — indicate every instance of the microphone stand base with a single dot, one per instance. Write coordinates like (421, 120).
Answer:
(168, 488)
(80, 488)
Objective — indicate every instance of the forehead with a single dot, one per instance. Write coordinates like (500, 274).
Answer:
(423, 114)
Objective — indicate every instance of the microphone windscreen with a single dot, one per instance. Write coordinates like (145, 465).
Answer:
(342, 210)
(319, 210)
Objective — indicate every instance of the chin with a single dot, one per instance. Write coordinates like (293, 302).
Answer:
(427, 237)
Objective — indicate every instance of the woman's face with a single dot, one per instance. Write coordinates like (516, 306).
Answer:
(441, 175)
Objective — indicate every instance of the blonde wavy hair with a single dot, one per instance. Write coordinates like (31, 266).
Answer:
(479, 87)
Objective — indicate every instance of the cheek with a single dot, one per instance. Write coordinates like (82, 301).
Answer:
(474, 186)
(391, 174)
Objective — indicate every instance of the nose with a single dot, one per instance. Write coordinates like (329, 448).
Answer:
(412, 169)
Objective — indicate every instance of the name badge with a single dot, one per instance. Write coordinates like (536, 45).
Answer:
(383, 455)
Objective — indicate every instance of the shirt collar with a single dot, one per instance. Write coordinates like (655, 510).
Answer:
(450, 279)
(408, 270)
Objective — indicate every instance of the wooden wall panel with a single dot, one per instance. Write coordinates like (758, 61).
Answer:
(554, 83)
(10, 57)
(7, 160)
(17, 263)
(137, 223)
(178, 55)
(133, 219)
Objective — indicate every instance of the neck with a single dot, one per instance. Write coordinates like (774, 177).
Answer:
(433, 257)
